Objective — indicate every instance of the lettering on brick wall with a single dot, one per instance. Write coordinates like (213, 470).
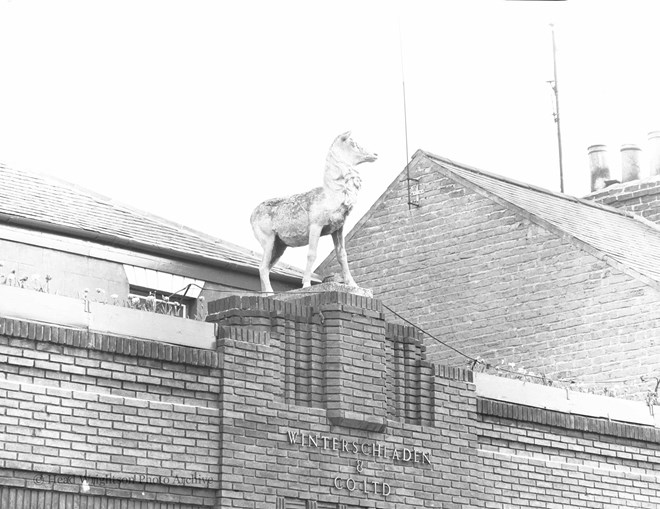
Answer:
(365, 450)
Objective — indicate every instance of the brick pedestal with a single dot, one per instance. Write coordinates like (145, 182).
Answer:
(332, 345)
(355, 367)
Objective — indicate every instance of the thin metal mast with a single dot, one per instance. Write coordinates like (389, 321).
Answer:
(405, 121)
(555, 88)
(405, 127)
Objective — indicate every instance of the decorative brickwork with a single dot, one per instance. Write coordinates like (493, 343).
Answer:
(410, 378)
(335, 357)
(270, 446)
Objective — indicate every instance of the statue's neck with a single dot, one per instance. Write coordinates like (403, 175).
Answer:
(341, 178)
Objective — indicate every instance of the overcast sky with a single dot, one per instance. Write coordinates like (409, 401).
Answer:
(198, 110)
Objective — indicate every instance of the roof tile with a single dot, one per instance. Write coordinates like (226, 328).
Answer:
(625, 237)
(54, 202)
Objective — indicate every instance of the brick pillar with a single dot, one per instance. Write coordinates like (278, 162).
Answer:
(332, 347)
(355, 361)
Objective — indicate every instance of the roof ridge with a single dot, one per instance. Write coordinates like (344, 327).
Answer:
(549, 192)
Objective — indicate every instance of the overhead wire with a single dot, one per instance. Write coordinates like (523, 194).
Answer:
(474, 361)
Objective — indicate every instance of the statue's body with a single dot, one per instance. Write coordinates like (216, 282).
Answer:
(303, 218)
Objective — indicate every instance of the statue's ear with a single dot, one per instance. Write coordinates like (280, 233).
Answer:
(345, 136)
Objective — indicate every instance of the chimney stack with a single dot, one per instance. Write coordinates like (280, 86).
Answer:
(641, 197)
(654, 152)
(630, 165)
(599, 166)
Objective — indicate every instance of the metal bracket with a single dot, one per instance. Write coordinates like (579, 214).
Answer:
(414, 192)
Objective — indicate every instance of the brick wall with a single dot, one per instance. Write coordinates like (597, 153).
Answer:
(537, 458)
(466, 452)
(640, 197)
(77, 407)
(492, 283)
(137, 421)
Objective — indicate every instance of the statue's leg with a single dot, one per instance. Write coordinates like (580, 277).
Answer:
(267, 242)
(264, 272)
(340, 251)
(314, 235)
(263, 231)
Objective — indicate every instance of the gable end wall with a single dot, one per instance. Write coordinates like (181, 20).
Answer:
(491, 283)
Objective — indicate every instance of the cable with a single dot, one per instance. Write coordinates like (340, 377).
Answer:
(447, 345)
(476, 361)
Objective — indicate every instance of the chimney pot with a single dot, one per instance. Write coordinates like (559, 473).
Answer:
(598, 166)
(654, 152)
(630, 162)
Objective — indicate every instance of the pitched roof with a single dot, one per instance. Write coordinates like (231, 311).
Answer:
(621, 238)
(49, 204)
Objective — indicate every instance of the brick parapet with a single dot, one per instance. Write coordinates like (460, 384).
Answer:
(82, 338)
(137, 421)
(522, 413)
(567, 460)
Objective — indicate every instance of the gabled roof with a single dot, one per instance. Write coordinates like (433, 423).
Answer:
(625, 240)
(44, 203)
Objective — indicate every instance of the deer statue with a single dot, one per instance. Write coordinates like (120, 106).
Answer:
(302, 219)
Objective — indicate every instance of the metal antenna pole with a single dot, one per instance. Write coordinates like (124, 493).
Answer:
(405, 126)
(405, 118)
(555, 88)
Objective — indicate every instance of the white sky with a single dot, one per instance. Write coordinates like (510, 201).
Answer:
(198, 110)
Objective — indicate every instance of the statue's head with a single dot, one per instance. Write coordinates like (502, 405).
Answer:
(346, 149)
